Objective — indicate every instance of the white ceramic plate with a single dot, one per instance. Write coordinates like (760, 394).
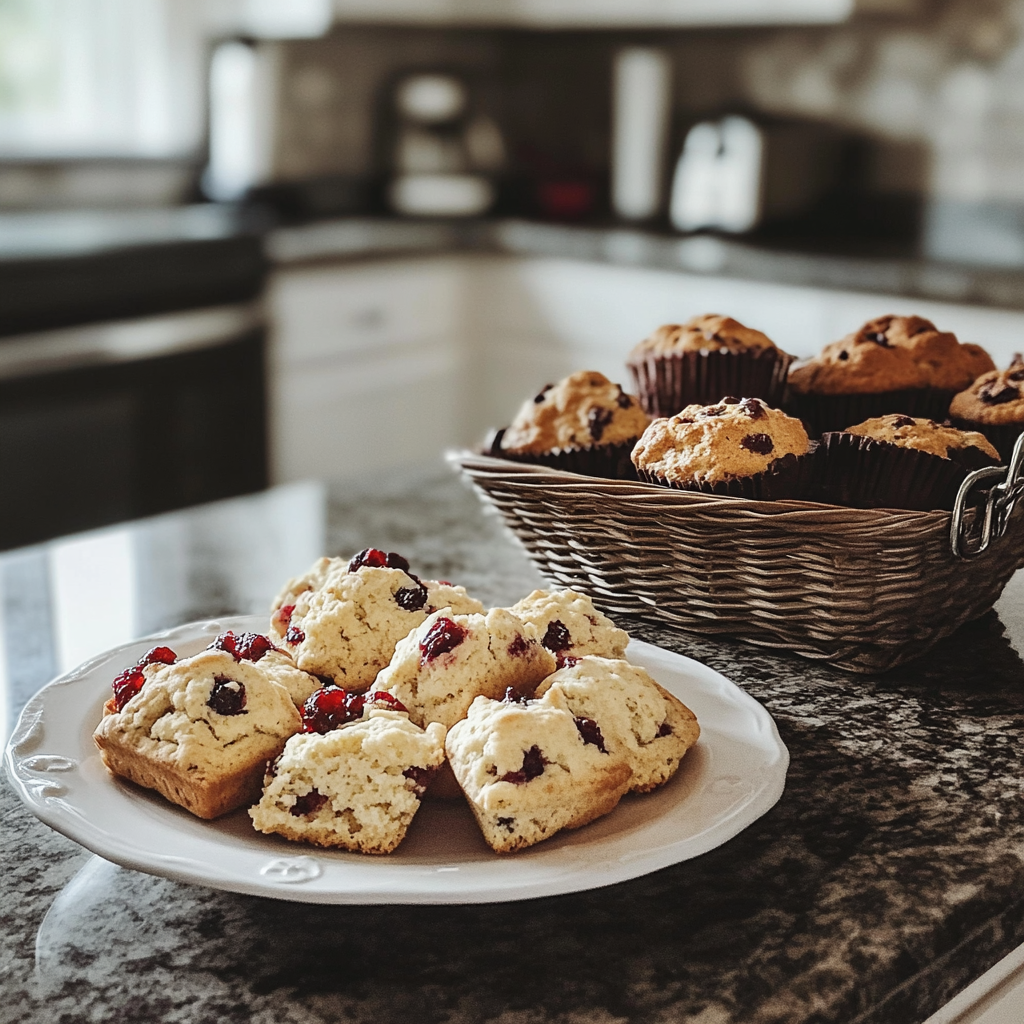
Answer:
(733, 775)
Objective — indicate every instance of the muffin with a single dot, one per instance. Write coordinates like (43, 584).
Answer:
(569, 625)
(709, 356)
(739, 447)
(629, 713)
(200, 732)
(531, 769)
(994, 406)
(583, 424)
(893, 364)
(899, 461)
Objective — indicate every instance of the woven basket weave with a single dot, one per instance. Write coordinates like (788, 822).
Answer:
(862, 589)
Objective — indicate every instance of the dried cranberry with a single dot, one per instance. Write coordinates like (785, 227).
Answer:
(372, 558)
(759, 444)
(591, 733)
(327, 708)
(126, 685)
(284, 614)
(389, 700)
(246, 646)
(412, 599)
(665, 729)
(565, 660)
(420, 778)
(294, 635)
(308, 804)
(903, 421)
(597, 420)
(227, 696)
(155, 655)
(519, 646)
(533, 766)
(753, 408)
(442, 637)
(994, 394)
(556, 637)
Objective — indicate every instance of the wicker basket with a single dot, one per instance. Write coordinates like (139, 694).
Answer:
(863, 589)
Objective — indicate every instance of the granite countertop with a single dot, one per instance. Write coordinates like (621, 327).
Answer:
(889, 875)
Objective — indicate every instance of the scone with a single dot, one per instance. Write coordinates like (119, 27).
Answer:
(631, 715)
(707, 357)
(356, 787)
(200, 732)
(900, 461)
(994, 406)
(738, 447)
(441, 667)
(346, 625)
(583, 424)
(892, 364)
(568, 624)
(530, 770)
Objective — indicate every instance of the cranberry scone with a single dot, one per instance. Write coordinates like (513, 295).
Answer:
(342, 620)
(531, 769)
(631, 715)
(568, 624)
(200, 731)
(443, 665)
(353, 780)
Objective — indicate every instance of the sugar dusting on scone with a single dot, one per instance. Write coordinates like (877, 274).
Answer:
(531, 769)
(199, 731)
(568, 624)
(356, 786)
(343, 620)
(631, 713)
(448, 661)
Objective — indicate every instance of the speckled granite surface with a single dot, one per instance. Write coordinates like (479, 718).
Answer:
(890, 874)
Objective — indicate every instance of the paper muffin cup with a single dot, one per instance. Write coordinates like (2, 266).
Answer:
(791, 477)
(862, 472)
(610, 461)
(1002, 435)
(822, 414)
(667, 383)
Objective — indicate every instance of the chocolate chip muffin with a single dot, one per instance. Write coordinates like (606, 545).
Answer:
(893, 364)
(584, 424)
(708, 356)
(899, 461)
(994, 406)
(740, 447)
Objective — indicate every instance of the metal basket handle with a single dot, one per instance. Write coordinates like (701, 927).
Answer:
(1000, 500)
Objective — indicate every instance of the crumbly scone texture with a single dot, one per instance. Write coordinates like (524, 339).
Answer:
(707, 333)
(583, 410)
(171, 736)
(922, 435)
(280, 667)
(719, 442)
(528, 773)
(891, 353)
(495, 652)
(348, 627)
(567, 623)
(357, 787)
(994, 398)
(312, 579)
(636, 716)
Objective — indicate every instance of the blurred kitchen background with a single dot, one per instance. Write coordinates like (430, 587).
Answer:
(244, 242)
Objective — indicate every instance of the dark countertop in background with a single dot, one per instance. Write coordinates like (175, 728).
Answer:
(889, 875)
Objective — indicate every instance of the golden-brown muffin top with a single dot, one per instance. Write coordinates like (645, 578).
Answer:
(922, 435)
(736, 438)
(582, 410)
(891, 353)
(707, 333)
(994, 398)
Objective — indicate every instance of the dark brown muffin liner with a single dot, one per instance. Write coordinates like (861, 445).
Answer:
(862, 472)
(824, 413)
(668, 383)
(792, 476)
(1002, 435)
(610, 461)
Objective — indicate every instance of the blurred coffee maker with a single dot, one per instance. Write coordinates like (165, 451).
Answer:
(444, 156)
